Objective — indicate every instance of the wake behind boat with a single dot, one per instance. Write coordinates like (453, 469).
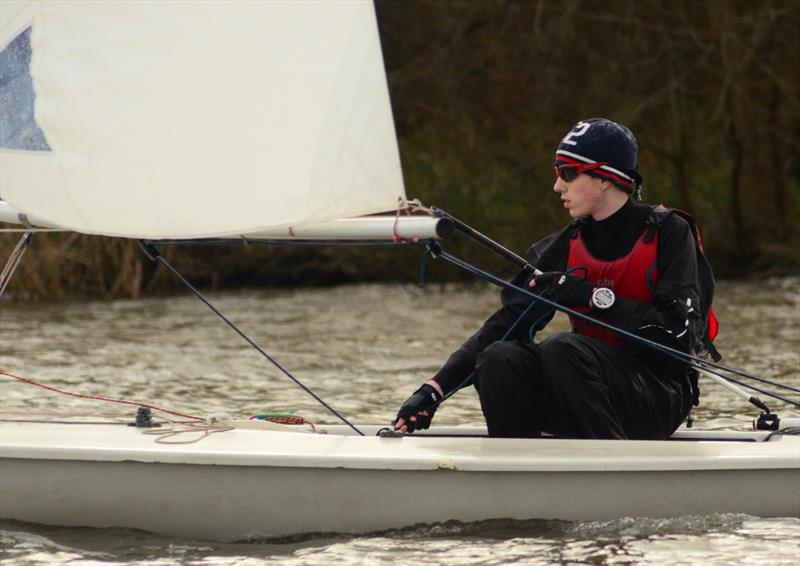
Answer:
(264, 480)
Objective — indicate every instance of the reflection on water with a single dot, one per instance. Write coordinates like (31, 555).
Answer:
(363, 349)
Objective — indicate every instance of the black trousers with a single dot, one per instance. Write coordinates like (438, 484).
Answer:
(575, 387)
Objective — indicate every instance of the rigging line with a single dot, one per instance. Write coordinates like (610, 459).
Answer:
(502, 283)
(396, 237)
(14, 259)
(468, 380)
(97, 397)
(204, 430)
(752, 387)
(655, 345)
(767, 381)
(287, 243)
(31, 229)
(730, 386)
(152, 252)
(485, 241)
(521, 263)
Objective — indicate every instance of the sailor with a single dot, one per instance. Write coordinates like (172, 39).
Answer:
(628, 264)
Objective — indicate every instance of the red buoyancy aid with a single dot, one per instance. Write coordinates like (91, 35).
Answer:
(633, 276)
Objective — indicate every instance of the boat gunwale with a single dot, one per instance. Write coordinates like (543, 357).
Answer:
(269, 448)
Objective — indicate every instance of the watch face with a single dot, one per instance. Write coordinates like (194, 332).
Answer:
(603, 298)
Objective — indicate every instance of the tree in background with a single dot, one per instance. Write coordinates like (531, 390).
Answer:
(482, 92)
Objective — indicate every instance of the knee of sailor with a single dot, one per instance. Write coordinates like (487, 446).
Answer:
(560, 342)
(555, 348)
(495, 355)
(492, 371)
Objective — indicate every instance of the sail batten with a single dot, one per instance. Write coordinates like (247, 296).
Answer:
(277, 112)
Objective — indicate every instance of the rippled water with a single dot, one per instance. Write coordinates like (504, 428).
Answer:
(711, 540)
(363, 349)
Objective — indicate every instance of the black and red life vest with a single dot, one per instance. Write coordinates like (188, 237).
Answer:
(635, 277)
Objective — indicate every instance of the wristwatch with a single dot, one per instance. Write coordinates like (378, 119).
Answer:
(603, 298)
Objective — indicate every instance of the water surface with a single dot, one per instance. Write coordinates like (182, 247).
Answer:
(364, 349)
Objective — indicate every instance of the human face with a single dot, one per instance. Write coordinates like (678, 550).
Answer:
(584, 196)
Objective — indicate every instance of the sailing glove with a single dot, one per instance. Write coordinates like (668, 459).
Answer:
(424, 399)
(565, 289)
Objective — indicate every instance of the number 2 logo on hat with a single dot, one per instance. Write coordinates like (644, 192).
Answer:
(579, 129)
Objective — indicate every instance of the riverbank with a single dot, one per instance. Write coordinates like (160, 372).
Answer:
(60, 266)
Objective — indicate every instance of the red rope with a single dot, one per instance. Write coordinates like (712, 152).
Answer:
(285, 420)
(396, 237)
(98, 398)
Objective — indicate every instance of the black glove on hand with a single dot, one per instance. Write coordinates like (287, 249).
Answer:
(423, 399)
(567, 289)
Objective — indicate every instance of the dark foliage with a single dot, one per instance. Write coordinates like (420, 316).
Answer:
(482, 92)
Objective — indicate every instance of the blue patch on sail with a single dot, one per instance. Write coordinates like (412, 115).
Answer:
(18, 127)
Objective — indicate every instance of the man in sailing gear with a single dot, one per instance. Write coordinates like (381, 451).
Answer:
(591, 382)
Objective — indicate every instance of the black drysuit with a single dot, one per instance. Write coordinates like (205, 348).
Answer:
(571, 385)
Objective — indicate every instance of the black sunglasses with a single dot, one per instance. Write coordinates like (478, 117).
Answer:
(569, 172)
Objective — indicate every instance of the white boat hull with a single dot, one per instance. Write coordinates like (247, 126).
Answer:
(262, 483)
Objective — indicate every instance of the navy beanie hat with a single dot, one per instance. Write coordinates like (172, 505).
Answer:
(598, 140)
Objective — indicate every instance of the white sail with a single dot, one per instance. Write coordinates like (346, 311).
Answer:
(276, 112)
